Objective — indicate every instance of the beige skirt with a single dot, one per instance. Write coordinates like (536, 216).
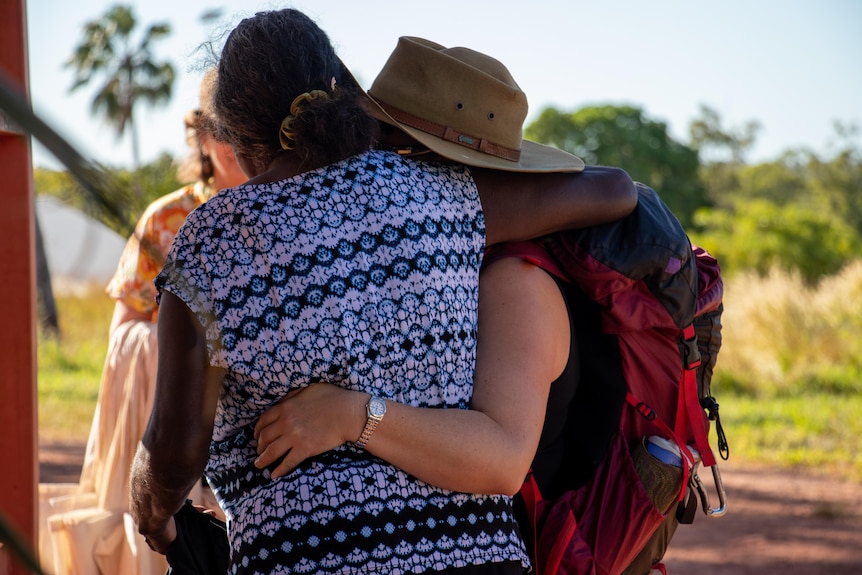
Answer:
(88, 529)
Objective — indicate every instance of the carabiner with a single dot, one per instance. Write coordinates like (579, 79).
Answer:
(704, 495)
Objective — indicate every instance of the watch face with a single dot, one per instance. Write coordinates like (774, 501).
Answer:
(376, 407)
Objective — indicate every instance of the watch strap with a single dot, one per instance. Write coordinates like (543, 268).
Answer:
(371, 423)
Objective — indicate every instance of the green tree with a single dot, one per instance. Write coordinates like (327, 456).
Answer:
(781, 182)
(156, 179)
(802, 178)
(709, 138)
(799, 212)
(797, 176)
(836, 183)
(722, 154)
(128, 70)
(760, 235)
(622, 136)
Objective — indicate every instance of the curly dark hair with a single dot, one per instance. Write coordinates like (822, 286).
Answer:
(267, 61)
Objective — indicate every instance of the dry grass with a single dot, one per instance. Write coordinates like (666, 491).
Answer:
(781, 336)
(789, 372)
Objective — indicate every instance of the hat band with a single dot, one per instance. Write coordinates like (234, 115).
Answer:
(451, 134)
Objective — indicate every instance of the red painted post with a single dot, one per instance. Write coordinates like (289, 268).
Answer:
(18, 414)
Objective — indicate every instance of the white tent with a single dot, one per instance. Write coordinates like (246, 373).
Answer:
(82, 252)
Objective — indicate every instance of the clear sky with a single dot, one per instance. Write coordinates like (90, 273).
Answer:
(793, 65)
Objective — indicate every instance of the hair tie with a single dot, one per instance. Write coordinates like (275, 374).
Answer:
(286, 134)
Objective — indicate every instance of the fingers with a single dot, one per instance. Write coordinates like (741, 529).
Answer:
(274, 413)
(295, 428)
(263, 438)
(266, 419)
(283, 468)
(273, 451)
(287, 461)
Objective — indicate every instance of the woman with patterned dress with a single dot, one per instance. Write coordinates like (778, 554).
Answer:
(334, 263)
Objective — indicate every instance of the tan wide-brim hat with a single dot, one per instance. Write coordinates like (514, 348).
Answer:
(462, 105)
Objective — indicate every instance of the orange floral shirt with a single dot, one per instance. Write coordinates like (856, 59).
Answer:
(145, 252)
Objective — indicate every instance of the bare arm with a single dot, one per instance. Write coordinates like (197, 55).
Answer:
(173, 452)
(523, 346)
(521, 206)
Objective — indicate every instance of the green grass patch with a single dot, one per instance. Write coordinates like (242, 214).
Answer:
(70, 367)
(817, 432)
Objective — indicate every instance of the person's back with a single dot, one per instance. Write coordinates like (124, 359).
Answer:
(352, 280)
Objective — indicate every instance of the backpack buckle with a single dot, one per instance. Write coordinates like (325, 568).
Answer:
(688, 348)
(646, 411)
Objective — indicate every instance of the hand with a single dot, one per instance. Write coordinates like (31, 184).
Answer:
(209, 511)
(161, 540)
(308, 422)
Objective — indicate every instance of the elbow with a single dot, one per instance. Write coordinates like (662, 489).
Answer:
(503, 482)
(177, 455)
(624, 191)
(504, 476)
(513, 486)
(512, 476)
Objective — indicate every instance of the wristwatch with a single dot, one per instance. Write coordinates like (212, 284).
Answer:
(375, 409)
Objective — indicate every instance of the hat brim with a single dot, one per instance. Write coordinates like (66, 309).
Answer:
(537, 158)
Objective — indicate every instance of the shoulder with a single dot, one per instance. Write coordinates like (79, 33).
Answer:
(170, 202)
(413, 165)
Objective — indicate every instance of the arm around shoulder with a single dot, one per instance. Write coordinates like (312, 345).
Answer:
(521, 206)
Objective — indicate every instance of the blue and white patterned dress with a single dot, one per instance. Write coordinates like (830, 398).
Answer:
(363, 274)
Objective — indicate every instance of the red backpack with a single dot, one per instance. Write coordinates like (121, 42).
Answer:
(645, 305)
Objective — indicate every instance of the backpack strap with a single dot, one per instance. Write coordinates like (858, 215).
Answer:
(530, 251)
(561, 544)
(688, 410)
(532, 497)
(537, 509)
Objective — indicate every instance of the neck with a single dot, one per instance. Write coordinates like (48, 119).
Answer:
(283, 166)
(219, 183)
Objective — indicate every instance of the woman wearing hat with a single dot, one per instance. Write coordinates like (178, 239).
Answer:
(344, 264)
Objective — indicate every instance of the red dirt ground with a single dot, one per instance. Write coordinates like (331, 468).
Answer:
(778, 521)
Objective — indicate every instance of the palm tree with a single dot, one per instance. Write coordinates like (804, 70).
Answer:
(129, 71)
